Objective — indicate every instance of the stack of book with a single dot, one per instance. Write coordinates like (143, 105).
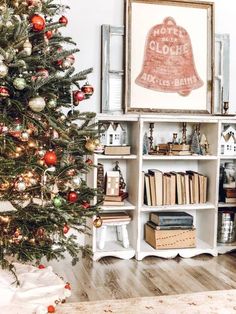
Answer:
(170, 220)
(115, 200)
(115, 217)
(230, 195)
(170, 230)
(172, 188)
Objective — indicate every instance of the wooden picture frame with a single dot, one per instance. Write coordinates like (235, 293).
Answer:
(169, 56)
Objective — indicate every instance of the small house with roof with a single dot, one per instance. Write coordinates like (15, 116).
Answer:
(112, 134)
(228, 141)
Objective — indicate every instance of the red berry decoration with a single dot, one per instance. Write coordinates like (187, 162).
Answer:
(66, 229)
(48, 34)
(4, 91)
(87, 90)
(72, 197)
(51, 309)
(41, 266)
(38, 23)
(89, 161)
(85, 205)
(50, 158)
(78, 96)
(63, 20)
(67, 286)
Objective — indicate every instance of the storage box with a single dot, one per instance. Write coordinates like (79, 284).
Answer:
(117, 150)
(170, 239)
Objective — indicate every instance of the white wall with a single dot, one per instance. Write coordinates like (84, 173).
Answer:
(87, 16)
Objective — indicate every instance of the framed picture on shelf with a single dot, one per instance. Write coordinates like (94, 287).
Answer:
(169, 56)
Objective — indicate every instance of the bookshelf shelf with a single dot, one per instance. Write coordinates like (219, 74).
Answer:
(226, 247)
(115, 157)
(126, 206)
(160, 157)
(135, 165)
(115, 249)
(226, 205)
(227, 157)
(184, 207)
(201, 248)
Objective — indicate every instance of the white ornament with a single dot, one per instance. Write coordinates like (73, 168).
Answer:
(37, 104)
(24, 136)
(3, 69)
(20, 186)
(27, 47)
(41, 309)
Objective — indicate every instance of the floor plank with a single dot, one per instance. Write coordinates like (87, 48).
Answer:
(112, 278)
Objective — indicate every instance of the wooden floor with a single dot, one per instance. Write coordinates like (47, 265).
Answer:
(112, 278)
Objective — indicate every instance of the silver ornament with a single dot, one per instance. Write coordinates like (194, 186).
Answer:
(37, 104)
(66, 64)
(76, 181)
(19, 83)
(52, 103)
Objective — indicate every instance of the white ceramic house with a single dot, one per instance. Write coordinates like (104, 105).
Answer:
(228, 142)
(112, 135)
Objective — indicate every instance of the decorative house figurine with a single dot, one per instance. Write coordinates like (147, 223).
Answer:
(112, 183)
(228, 141)
(112, 135)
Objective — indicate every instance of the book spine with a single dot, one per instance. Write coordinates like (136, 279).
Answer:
(168, 227)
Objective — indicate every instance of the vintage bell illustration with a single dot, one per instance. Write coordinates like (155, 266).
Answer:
(168, 64)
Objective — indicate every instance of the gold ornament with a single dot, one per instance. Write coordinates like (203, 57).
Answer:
(90, 145)
(4, 186)
(32, 144)
(97, 222)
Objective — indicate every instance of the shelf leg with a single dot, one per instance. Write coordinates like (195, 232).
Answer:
(101, 242)
(125, 236)
(119, 233)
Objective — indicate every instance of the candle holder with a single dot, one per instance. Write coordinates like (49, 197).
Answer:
(184, 131)
(151, 127)
(225, 107)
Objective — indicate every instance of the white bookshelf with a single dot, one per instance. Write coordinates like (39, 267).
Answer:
(205, 215)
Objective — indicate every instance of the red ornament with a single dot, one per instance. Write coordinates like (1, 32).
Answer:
(41, 266)
(4, 91)
(78, 96)
(85, 205)
(48, 34)
(87, 90)
(89, 161)
(38, 23)
(67, 286)
(51, 309)
(72, 197)
(66, 229)
(50, 158)
(63, 20)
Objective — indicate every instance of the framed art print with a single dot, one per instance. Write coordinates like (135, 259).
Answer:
(169, 56)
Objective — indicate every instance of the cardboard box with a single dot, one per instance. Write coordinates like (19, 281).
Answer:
(170, 239)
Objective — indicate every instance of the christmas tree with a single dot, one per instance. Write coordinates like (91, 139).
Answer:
(43, 154)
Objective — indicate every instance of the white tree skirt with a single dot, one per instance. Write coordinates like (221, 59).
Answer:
(38, 289)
